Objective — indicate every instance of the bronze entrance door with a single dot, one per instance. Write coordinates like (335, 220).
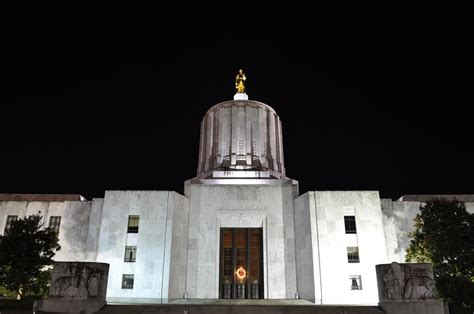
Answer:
(241, 263)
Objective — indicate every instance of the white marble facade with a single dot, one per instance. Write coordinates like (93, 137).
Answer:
(240, 183)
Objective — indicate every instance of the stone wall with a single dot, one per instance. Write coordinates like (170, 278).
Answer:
(267, 205)
(177, 247)
(326, 211)
(158, 211)
(398, 223)
(74, 231)
(307, 254)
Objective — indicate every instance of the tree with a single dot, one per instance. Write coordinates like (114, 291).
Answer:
(444, 237)
(26, 249)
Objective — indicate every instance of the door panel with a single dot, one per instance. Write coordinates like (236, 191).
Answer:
(241, 263)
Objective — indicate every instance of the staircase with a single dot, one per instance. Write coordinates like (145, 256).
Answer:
(239, 307)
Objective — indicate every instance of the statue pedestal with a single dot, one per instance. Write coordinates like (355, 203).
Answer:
(76, 287)
(53, 304)
(413, 307)
(241, 96)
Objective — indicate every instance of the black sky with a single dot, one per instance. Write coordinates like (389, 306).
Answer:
(102, 98)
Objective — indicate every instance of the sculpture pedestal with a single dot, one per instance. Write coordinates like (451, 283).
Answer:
(53, 304)
(76, 287)
(241, 96)
(413, 307)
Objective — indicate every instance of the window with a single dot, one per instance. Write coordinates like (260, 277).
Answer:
(353, 254)
(130, 253)
(10, 218)
(355, 282)
(133, 223)
(350, 223)
(127, 281)
(54, 222)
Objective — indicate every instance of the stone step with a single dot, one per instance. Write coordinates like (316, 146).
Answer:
(263, 308)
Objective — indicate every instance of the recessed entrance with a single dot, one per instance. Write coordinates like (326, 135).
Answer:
(241, 263)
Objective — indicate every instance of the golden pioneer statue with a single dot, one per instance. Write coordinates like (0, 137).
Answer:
(240, 82)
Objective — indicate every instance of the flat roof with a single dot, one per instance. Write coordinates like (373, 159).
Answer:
(41, 197)
(467, 198)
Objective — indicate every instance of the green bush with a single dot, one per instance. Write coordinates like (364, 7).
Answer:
(4, 292)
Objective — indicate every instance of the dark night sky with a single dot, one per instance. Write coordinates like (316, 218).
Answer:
(103, 98)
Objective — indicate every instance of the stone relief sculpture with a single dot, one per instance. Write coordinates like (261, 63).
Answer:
(76, 287)
(413, 284)
(94, 282)
(405, 282)
(393, 282)
(81, 282)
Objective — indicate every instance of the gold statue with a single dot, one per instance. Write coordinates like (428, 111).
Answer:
(239, 82)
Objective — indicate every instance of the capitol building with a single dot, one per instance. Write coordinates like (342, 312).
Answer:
(241, 230)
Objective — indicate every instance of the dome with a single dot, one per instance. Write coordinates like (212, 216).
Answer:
(241, 138)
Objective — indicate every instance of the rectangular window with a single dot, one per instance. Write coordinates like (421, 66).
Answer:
(10, 218)
(350, 223)
(54, 223)
(133, 223)
(130, 253)
(353, 254)
(356, 284)
(127, 281)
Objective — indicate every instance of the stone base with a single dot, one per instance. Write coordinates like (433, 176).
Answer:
(413, 307)
(52, 304)
(241, 174)
(241, 96)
